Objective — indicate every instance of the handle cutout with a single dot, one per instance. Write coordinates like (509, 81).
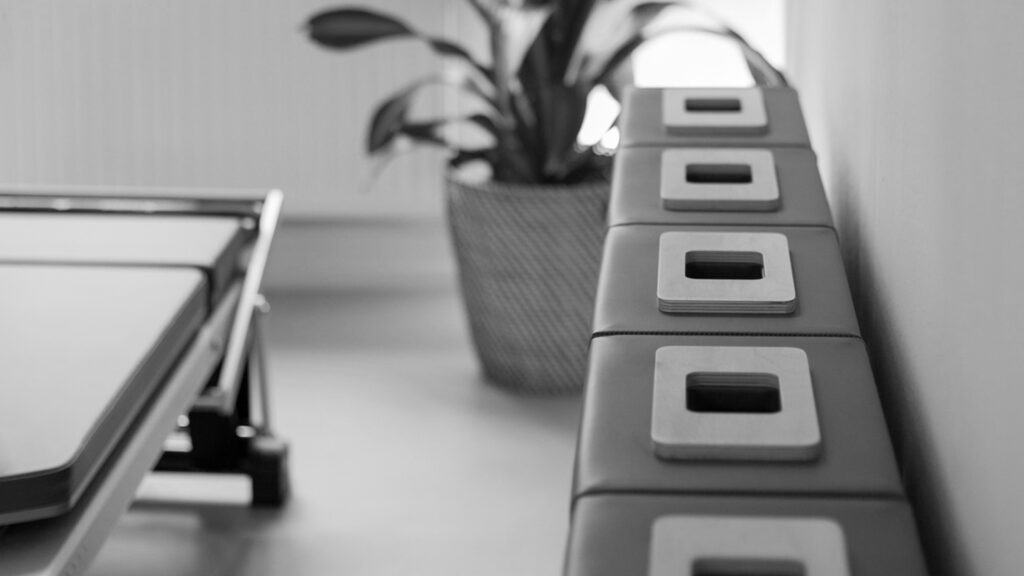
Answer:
(724, 265)
(720, 545)
(713, 105)
(747, 567)
(719, 174)
(714, 111)
(732, 392)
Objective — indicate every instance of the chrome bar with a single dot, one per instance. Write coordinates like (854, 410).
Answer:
(222, 396)
(131, 200)
(258, 366)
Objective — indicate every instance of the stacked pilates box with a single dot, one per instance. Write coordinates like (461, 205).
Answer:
(731, 426)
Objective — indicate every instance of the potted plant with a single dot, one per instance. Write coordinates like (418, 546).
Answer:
(527, 238)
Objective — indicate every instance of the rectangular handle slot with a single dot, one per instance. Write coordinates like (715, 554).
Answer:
(714, 111)
(713, 105)
(747, 567)
(709, 545)
(719, 174)
(725, 392)
(724, 265)
(719, 179)
(725, 273)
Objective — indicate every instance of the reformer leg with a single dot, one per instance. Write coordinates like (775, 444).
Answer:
(216, 444)
(235, 443)
(268, 454)
(268, 469)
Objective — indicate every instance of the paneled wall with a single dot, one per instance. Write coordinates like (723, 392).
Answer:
(915, 110)
(199, 93)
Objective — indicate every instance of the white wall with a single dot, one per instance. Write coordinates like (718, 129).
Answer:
(230, 93)
(915, 108)
(227, 93)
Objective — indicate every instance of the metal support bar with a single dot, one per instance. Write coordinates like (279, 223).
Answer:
(258, 366)
(222, 396)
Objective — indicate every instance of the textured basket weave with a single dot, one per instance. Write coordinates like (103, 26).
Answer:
(528, 259)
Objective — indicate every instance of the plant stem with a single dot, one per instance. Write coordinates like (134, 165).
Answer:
(501, 71)
(481, 10)
(502, 76)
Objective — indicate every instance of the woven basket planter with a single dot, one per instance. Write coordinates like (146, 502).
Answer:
(528, 260)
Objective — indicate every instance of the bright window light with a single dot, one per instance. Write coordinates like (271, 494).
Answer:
(692, 59)
(688, 60)
(602, 111)
(610, 140)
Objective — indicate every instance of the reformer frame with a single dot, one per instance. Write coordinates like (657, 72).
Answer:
(220, 382)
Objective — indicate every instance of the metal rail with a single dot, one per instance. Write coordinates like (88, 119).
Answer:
(223, 396)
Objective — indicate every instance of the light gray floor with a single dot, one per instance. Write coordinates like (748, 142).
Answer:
(404, 462)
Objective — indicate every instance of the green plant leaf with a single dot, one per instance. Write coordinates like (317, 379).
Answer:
(484, 121)
(391, 116)
(462, 157)
(528, 133)
(423, 132)
(567, 107)
(387, 120)
(521, 27)
(613, 26)
(347, 28)
(429, 129)
(484, 12)
(587, 165)
(561, 33)
(612, 23)
(545, 97)
(446, 48)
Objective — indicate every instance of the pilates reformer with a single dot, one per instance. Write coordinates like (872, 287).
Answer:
(130, 341)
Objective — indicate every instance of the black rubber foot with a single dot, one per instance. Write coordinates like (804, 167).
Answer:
(268, 468)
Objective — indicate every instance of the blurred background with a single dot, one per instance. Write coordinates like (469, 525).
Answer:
(403, 461)
(233, 94)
